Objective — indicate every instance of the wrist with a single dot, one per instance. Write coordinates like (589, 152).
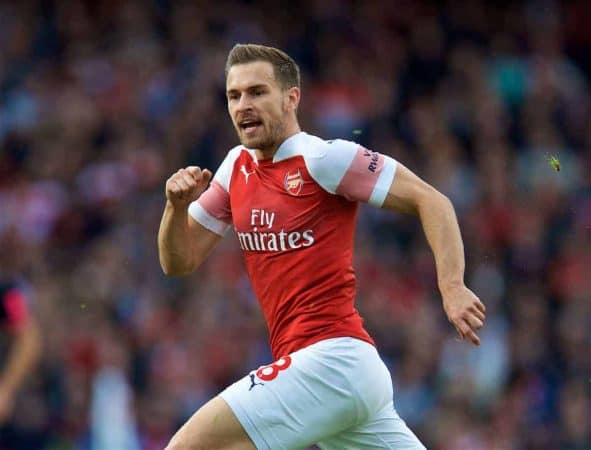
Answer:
(177, 207)
(448, 286)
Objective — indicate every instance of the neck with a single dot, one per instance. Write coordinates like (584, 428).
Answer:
(268, 153)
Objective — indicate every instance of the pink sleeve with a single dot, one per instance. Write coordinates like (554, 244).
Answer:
(346, 168)
(212, 209)
(368, 177)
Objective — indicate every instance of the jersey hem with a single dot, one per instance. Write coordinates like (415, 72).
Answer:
(311, 341)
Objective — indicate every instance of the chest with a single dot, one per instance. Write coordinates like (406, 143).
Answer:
(275, 197)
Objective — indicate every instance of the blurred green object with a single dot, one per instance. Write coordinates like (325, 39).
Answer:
(554, 162)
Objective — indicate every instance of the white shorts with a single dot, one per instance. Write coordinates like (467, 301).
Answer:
(336, 393)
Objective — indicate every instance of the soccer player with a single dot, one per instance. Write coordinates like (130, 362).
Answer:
(22, 332)
(292, 199)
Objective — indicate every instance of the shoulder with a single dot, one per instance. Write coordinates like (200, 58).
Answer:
(330, 160)
(224, 172)
(312, 147)
(343, 167)
(235, 153)
(326, 160)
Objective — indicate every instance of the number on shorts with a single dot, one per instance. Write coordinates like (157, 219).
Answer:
(270, 372)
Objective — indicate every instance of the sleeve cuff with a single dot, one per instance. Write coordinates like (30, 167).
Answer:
(382, 187)
(197, 212)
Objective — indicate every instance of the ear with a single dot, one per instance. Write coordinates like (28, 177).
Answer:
(292, 99)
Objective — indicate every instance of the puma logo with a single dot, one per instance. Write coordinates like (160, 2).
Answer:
(245, 173)
(252, 382)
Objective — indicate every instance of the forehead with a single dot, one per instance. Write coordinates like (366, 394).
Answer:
(242, 76)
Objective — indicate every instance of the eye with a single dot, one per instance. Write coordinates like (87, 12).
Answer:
(233, 96)
(258, 92)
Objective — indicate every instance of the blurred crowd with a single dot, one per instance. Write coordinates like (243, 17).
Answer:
(100, 101)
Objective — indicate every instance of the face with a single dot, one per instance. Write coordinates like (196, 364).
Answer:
(262, 112)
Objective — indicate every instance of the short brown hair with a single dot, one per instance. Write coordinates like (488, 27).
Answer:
(285, 69)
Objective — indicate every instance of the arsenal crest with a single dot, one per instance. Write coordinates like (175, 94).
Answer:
(294, 182)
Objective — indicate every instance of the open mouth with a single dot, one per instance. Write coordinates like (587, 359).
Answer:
(249, 126)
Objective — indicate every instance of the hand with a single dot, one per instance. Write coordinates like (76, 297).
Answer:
(465, 311)
(6, 404)
(187, 185)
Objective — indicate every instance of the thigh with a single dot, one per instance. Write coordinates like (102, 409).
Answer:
(384, 431)
(214, 426)
(301, 398)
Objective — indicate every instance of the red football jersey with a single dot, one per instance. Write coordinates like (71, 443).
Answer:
(294, 216)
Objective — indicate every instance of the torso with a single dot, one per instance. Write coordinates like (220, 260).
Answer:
(294, 217)
(297, 241)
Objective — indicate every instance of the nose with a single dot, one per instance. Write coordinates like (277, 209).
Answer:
(244, 103)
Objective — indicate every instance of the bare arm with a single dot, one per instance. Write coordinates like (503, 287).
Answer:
(23, 356)
(410, 194)
(183, 243)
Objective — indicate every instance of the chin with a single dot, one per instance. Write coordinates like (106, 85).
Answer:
(249, 143)
(253, 142)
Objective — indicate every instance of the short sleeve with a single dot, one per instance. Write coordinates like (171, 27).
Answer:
(348, 169)
(212, 208)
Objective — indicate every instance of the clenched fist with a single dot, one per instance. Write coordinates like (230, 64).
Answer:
(187, 185)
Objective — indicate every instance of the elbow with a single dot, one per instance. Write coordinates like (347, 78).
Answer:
(435, 195)
(167, 270)
(444, 199)
(172, 271)
(432, 198)
(176, 270)
(448, 203)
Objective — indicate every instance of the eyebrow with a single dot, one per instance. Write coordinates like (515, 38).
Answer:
(249, 88)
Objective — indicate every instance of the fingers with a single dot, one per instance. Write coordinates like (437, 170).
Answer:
(185, 181)
(480, 305)
(194, 171)
(474, 322)
(465, 331)
(202, 177)
(187, 184)
(477, 313)
(173, 189)
(468, 323)
(181, 185)
(466, 312)
(206, 175)
(473, 337)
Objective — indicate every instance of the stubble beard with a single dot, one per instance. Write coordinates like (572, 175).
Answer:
(270, 139)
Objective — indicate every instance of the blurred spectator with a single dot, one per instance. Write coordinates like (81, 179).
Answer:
(20, 345)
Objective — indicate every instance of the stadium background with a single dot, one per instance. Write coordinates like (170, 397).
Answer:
(101, 101)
